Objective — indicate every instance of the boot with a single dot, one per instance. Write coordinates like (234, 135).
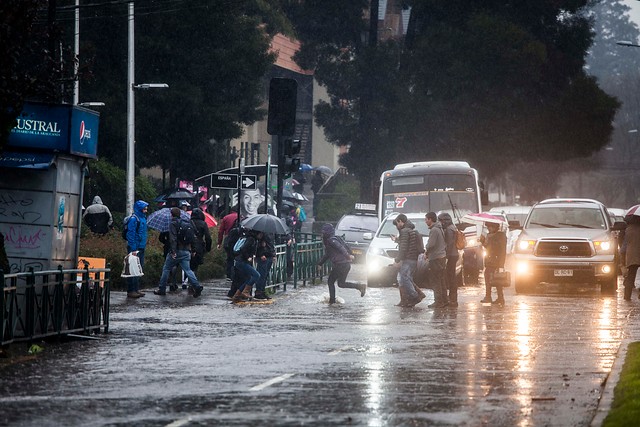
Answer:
(402, 299)
(237, 297)
(247, 292)
(421, 294)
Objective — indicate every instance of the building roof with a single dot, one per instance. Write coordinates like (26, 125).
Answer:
(286, 48)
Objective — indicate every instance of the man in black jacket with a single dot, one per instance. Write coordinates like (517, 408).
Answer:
(265, 255)
(407, 260)
(180, 254)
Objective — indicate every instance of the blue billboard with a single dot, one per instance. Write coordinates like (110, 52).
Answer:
(56, 127)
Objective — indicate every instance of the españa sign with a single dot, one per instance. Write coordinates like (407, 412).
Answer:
(56, 127)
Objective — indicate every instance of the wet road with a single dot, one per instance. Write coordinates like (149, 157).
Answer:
(541, 360)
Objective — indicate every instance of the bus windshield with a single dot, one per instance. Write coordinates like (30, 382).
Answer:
(453, 193)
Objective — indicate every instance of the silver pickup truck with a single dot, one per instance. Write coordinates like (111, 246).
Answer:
(569, 242)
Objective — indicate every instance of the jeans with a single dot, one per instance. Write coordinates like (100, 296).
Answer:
(182, 259)
(339, 274)
(405, 279)
(247, 270)
(450, 278)
(436, 277)
(133, 283)
(263, 268)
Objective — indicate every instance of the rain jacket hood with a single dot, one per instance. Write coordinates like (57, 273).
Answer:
(137, 234)
(328, 231)
(97, 201)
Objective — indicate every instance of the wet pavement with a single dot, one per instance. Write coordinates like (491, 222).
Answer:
(541, 360)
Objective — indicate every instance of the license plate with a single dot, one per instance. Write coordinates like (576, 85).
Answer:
(563, 273)
(356, 251)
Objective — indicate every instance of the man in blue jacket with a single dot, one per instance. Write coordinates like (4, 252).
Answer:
(136, 243)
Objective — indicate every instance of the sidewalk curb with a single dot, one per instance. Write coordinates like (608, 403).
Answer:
(606, 400)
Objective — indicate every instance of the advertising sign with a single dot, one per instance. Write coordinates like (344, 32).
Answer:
(56, 127)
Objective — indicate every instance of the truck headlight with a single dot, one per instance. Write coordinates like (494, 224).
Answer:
(603, 246)
(525, 246)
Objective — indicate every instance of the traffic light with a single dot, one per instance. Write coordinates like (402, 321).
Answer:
(290, 149)
(282, 107)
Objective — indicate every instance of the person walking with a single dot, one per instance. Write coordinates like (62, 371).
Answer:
(180, 255)
(163, 237)
(227, 223)
(436, 253)
(265, 256)
(409, 247)
(244, 265)
(98, 217)
(495, 244)
(202, 244)
(339, 253)
(450, 232)
(630, 250)
(136, 243)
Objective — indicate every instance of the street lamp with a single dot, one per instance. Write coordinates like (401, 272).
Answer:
(91, 104)
(131, 161)
(627, 43)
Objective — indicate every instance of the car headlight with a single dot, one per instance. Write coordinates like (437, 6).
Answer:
(376, 251)
(471, 242)
(603, 246)
(525, 246)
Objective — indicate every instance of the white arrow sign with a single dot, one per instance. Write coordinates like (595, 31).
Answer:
(248, 182)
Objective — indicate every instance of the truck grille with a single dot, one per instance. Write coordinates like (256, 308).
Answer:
(564, 249)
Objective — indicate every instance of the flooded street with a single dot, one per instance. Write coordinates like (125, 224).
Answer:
(541, 360)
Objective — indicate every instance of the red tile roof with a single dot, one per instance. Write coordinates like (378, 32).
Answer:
(286, 48)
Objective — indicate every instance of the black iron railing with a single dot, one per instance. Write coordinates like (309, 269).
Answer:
(41, 304)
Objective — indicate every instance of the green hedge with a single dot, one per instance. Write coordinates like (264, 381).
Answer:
(113, 248)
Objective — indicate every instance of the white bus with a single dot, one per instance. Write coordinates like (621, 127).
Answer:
(438, 186)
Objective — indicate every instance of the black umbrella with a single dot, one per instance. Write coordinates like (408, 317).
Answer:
(180, 194)
(266, 223)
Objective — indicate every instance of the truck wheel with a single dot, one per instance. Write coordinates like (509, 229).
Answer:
(610, 286)
(523, 287)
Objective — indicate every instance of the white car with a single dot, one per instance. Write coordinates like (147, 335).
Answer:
(515, 216)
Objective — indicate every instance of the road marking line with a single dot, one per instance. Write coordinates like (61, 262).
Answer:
(271, 382)
(179, 423)
(341, 349)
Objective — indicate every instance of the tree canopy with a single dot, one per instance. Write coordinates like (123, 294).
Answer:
(489, 82)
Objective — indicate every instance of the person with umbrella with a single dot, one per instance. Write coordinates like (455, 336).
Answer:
(630, 250)
(341, 258)
(136, 243)
(244, 263)
(495, 244)
(202, 243)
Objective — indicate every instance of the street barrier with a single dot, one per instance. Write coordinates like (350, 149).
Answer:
(304, 253)
(35, 305)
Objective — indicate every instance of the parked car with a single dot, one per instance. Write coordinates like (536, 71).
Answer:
(567, 241)
(382, 250)
(351, 228)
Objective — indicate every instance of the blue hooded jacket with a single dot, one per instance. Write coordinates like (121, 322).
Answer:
(137, 234)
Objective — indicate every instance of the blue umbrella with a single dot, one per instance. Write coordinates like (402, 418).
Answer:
(304, 167)
(161, 219)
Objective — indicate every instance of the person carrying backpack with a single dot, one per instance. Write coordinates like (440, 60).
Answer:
(202, 242)
(181, 236)
(339, 253)
(450, 233)
(245, 249)
(136, 236)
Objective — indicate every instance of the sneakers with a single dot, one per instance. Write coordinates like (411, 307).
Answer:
(197, 291)
(173, 288)
(159, 292)
(363, 289)
(261, 296)
(134, 295)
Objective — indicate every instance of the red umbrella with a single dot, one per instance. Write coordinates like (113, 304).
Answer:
(634, 210)
(209, 219)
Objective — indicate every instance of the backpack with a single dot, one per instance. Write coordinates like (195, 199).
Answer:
(237, 247)
(125, 225)
(302, 215)
(461, 241)
(231, 238)
(186, 232)
(344, 244)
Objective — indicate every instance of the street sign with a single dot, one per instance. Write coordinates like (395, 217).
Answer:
(224, 180)
(248, 182)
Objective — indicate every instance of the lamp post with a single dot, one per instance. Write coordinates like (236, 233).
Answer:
(131, 119)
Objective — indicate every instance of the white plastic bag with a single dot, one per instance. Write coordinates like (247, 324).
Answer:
(131, 266)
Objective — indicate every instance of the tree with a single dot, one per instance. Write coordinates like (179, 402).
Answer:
(481, 81)
(213, 55)
(28, 70)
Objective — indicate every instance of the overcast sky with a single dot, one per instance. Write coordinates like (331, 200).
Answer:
(635, 10)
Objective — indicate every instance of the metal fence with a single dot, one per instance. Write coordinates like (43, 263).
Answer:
(42, 304)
